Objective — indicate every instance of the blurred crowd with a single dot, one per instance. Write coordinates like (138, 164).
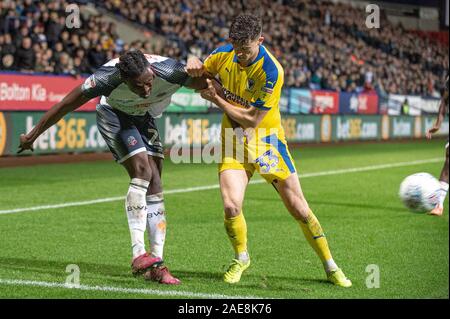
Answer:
(34, 38)
(321, 45)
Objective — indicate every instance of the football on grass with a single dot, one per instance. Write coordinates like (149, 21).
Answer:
(420, 192)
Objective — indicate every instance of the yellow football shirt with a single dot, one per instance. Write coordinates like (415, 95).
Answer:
(256, 85)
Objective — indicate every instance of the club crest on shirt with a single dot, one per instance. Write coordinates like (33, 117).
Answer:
(131, 141)
(250, 84)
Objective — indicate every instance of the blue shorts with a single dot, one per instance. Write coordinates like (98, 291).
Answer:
(127, 135)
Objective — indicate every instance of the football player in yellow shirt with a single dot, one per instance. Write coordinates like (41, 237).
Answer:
(252, 80)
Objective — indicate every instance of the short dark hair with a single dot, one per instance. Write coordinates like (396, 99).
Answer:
(132, 64)
(245, 27)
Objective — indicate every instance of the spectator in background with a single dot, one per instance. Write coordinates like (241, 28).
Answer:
(25, 56)
(80, 63)
(42, 63)
(38, 35)
(96, 56)
(405, 107)
(7, 62)
(53, 29)
(7, 46)
(23, 33)
(64, 65)
(58, 50)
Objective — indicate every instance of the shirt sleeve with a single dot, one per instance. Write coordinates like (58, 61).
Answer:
(210, 65)
(213, 61)
(102, 82)
(269, 94)
(171, 70)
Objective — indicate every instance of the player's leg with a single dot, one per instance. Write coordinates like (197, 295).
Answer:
(125, 143)
(277, 167)
(443, 180)
(140, 175)
(292, 195)
(156, 213)
(156, 224)
(233, 183)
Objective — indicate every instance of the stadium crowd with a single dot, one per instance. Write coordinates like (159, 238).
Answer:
(321, 45)
(34, 38)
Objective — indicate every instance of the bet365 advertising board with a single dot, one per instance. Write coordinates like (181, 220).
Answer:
(77, 132)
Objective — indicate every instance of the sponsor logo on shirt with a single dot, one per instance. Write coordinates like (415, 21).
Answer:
(267, 90)
(230, 96)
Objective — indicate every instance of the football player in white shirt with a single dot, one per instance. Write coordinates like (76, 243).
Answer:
(134, 89)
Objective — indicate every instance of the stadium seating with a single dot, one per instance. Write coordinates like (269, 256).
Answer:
(322, 45)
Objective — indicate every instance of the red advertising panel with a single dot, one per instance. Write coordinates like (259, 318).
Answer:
(325, 102)
(37, 92)
(367, 103)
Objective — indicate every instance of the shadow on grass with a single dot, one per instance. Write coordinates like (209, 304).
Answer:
(121, 274)
(58, 268)
(331, 203)
(396, 209)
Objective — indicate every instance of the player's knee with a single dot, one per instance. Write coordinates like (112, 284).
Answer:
(142, 170)
(155, 184)
(300, 210)
(301, 214)
(231, 209)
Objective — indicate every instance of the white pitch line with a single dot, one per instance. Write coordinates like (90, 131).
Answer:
(171, 293)
(214, 186)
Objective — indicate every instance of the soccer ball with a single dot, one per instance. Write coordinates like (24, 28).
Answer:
(420, 192)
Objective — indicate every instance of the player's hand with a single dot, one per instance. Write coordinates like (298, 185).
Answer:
(194, 67)
(25, 144)
(431, 131)
(209, 93)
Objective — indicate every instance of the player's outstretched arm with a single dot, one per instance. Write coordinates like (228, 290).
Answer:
(441, 116)
(69, 103)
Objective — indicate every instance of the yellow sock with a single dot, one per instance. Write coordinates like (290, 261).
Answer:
(316, 238)
(236, 228)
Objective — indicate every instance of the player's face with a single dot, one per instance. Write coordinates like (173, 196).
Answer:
(248, 51)
(142, 85)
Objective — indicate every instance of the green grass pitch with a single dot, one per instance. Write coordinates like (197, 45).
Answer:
(361, 214)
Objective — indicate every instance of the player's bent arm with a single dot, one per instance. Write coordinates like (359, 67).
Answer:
(441, 115)
(69, 103)
(247, 118)
(198, 83)
(442, 110)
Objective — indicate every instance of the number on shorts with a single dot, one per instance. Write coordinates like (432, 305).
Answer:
(267, 161)
(153, 137)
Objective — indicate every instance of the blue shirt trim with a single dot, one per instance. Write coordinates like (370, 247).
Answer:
(259, 104)
(271, 70)
(224, 48)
